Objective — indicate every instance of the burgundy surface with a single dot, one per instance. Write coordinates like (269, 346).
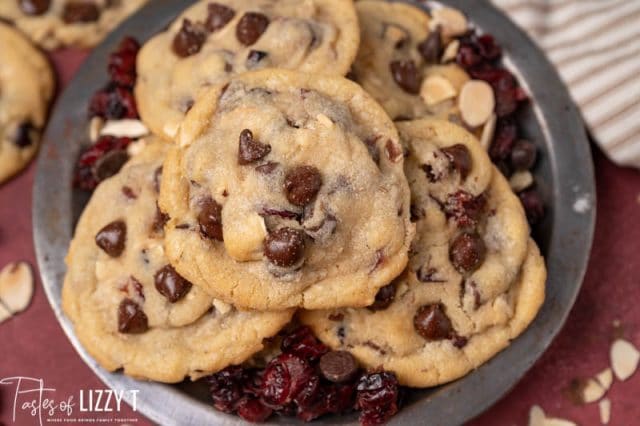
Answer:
(33, 344)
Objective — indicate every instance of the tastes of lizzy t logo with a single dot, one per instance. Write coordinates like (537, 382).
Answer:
(32, 399)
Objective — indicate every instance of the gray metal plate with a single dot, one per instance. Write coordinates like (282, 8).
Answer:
(564, 174)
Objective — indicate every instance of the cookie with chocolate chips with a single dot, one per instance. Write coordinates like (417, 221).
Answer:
(57, 23)
(311, 203)
(130, 308)
(401, 48)
(26, 88)
(214, 40)
(475, 280)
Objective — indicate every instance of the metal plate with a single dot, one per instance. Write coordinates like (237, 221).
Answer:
(564, 175)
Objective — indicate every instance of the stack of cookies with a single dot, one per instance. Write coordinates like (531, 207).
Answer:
(274, 190)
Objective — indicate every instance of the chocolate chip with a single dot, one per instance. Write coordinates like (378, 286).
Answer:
(131, 318)
(394, 151)
(405, 74)
(301, 184)
(157, 176)
(533, 205)
(426, 274)
(338, 366)
(34, 7)
(128, 192)
(77, 11)
(250, 27)
(189, 40)
(431, 322)
(460, 159)
(523, 155)
(23, 136)
(267, 168)
(384, 298)
(254, 57)
(160, 219)
(431, 47)
(284, 247)
(219, 16)
(210, 219)
(112, 238)
(109, 164)
(250, 149)
(467, 252)
(170, 284)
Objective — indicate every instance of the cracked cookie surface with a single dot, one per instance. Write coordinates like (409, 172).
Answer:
(214, 40)
(474, 280)
(286, 190)
(58, 23)
(26, 88)
(129, 307)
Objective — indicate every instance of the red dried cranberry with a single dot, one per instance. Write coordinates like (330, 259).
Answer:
(505, 137)
(122, 62)
(467, 56)
(377, 397)
(533, 205)
(226, 388)
(285, 377)
(487, 47)
(464, 208)
(252, 410)
(84, 177)
(113, 103)
(303, 343)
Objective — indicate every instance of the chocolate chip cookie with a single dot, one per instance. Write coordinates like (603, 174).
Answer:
(474, 280)
(399, 62)
(131, 309)
(57, 23)
(286, 189)
(26, 88)
(214, 40)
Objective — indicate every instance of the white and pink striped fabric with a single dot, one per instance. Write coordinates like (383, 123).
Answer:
(596, 46)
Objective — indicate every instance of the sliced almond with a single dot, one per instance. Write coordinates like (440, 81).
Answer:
(324, 120)
(95, 125)
(16, 286)
(452, 72)
(127, 128)
(221, 306)
(536, 416)
(244, 235)
(605, 378)
(452, 21)
(136, 147)
(4, 313)
(476, 102)
(436, 89)
(521, 180)
(450, 52)
(605, 411)
(624, 359)
(558, 422)
(592, 391)
(488, 132)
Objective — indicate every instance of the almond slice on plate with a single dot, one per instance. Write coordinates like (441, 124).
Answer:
(592, 391)
(450, 52)
(452, 21)
(488, 132)
(16, 286)
(436, 89)
(476, 102)
(536, 416)
(605, 411)
(605, 378)
(521, 180)
(624, 359)
(95, 126)
(128, 128)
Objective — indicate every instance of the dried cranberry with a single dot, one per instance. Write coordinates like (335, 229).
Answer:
(487, 47)
(252, 410)
(284, 379)
(85, 177)
(533, 205)
(467, 56)
(122, 63)
(377, 397)
(505, 137)
(113, 103)
(303, 343)
(226, 388)
(465, 208)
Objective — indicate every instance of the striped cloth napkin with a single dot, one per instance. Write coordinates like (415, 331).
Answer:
(596, 46)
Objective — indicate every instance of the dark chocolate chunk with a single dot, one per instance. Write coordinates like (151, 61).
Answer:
(338, 366)
(431, 322)
(131, 318)
(111, 239)
(284, 247)
(171, 284)
(301, 184)
(250, 27)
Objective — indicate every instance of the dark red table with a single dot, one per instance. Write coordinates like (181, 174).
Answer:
(33, 344)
